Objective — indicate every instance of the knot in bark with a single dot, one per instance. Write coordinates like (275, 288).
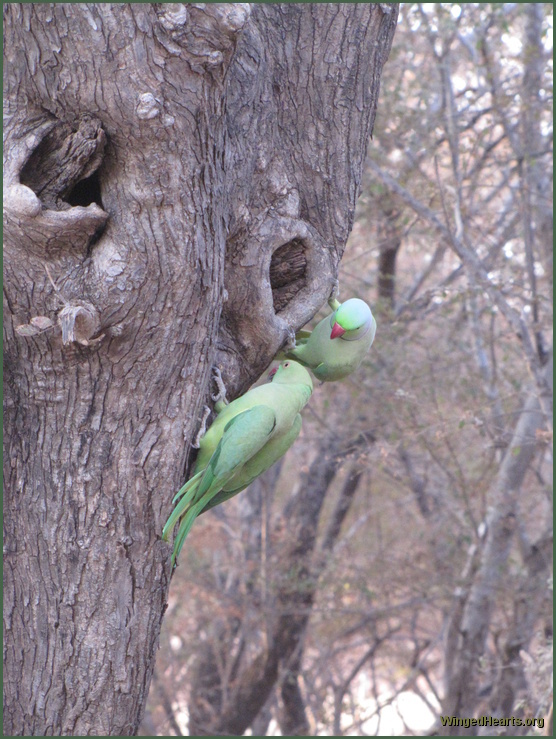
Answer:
(79, 322)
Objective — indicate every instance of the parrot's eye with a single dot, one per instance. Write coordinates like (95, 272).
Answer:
(286, 364)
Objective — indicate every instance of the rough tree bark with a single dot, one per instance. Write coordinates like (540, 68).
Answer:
(180, 181)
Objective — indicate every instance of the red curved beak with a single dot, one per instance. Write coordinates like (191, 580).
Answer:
(337, 330)
(272, 372)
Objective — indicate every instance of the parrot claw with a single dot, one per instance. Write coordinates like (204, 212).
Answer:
(289, 346)
(197, 441)
(333, 301)
(220, 396)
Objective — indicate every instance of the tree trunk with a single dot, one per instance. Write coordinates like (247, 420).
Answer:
(180, 181)
(390, 240)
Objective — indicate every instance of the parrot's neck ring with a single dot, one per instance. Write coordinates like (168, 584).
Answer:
(345, 336)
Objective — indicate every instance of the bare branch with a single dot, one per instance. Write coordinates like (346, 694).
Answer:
(472, 263)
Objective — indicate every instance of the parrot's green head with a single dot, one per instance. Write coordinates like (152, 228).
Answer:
(291, 373)
(352, 320)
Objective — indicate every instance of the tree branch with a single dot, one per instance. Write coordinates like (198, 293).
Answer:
(473, 263)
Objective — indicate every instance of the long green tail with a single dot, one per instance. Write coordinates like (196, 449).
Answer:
(186, 493)
(185, 528)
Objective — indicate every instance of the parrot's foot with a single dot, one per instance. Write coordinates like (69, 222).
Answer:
(197, 441)
(289, 345)
(333, 301)
(220, 396)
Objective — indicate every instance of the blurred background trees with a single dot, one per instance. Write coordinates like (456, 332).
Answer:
(396, 567)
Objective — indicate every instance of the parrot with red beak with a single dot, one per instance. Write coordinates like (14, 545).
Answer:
(337, 345)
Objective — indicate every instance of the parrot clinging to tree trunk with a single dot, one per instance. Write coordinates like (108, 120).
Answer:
(337, 345)
(247, 436)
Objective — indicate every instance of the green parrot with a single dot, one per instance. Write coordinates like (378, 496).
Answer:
(247, 436)
(337, 345)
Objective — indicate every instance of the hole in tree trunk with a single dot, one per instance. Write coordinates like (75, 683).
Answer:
(63, 169)
(85, 192)
(288, 268)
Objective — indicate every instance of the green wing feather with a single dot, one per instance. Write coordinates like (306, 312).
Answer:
(244, 435)
(259, 463)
